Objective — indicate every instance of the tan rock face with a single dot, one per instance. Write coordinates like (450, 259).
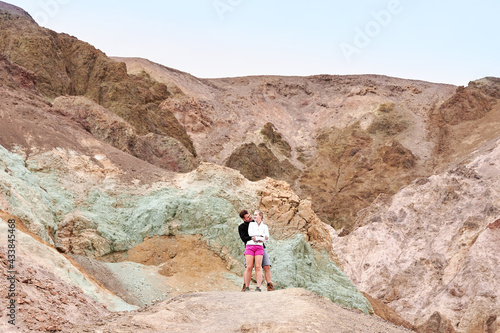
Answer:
(97, 120)
(288, 214)
(63, 65)
(77, 234)
(257, 162)
(450, 123)
(16, 76)
(160, 150)
(186, 261)
(438, 324)
(386, 313)
(430, 252)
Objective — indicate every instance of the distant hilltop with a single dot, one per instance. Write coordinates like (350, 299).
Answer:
(14, 10)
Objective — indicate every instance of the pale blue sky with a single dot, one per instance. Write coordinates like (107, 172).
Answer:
(446, 41)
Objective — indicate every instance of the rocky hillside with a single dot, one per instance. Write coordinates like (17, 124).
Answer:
(84, 204)
(63, 65)
(125, 179)
(341, 140)
(101, 230)
(431, 251)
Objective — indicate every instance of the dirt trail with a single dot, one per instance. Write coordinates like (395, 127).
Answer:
(288, 310)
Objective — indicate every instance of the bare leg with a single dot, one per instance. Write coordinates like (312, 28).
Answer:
(248, 271)
(267, 273)
(258, 269)
(246, 278)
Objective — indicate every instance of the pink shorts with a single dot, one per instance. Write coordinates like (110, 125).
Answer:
(254, 250)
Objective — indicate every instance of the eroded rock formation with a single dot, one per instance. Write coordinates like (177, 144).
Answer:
(430, 252)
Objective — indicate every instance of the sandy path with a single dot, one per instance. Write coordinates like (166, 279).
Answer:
(289, 310)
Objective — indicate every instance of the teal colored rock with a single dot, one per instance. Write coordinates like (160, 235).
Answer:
(126, 220)
(190, 211)
(24, 195)
(296, 264)
(206, 204)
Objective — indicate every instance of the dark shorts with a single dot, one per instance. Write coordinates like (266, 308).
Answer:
(265, 260)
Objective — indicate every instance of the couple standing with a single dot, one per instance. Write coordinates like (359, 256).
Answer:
(254, 233)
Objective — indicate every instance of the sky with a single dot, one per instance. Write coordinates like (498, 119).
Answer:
(438, 41)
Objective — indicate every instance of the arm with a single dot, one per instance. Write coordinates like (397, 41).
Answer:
(252, 231)
(265, 233)
(257, 232)
(243, 231)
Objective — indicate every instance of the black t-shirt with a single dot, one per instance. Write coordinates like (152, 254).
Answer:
(243, 231)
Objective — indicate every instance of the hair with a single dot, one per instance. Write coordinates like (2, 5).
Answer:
(243, 213)
(260, 213)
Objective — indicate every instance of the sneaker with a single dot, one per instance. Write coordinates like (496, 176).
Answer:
(270, 286)
(243, 289)
(257, 289)
(246, 289)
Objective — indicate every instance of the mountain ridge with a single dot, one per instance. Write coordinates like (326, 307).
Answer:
(14, 10)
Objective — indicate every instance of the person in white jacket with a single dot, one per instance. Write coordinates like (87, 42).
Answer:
(255, 247)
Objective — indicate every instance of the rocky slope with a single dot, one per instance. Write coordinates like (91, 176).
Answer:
(341, 140)
(431, 251)
(81, 207)
(87, 198)
(63, 65)
(90, 148)
(78, 204)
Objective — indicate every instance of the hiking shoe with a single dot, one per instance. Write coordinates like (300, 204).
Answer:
(243, 289)
(246, 289)
(270, 286)
(257, 289)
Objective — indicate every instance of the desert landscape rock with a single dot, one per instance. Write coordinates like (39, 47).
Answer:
(52, 292)
(66, 66)
(325, 135)
(125, 179)
(353, 117)
(343, 140)
(94, 214)
(443, 230)
(161, 150)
